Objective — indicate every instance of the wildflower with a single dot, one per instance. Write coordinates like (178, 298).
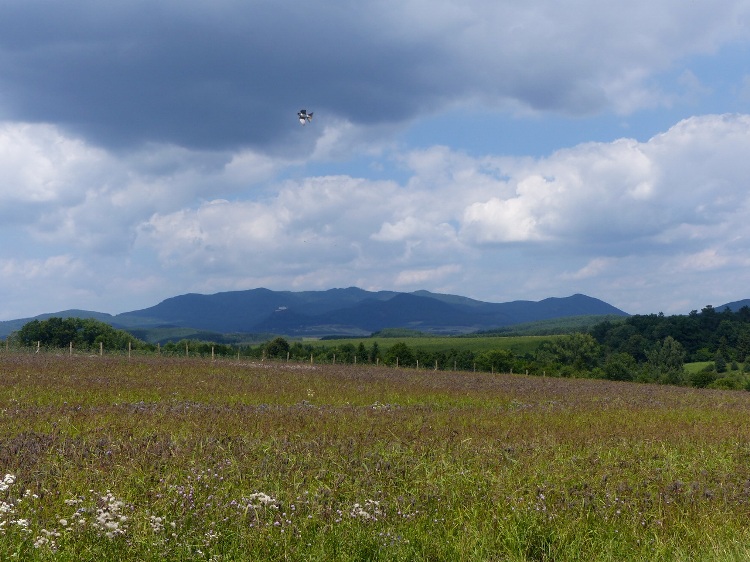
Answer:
(263, 500)
(42, 541)
(7, 482)
(370, 511)
(109, 518)
(157, 524)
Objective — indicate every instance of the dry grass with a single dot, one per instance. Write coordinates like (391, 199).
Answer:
(182, 459)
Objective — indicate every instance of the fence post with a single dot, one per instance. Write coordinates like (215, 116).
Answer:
(212, 353)
(71, 349)
(311, 359)
(129, 350)
(287, 357)
(187, 353)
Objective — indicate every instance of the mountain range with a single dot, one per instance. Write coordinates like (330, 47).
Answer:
(351, 311)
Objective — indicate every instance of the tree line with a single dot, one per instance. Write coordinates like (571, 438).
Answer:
(643, 348)
(87, 334)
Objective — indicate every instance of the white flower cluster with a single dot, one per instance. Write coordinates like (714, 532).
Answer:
(259, 499)
(109, 518)
(8, 508)
(370, 511)
(47, 539)
(7, 482)
(157, 523)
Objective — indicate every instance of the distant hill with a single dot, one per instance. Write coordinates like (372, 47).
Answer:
(350, 311)
(734, 306)
(8, 326)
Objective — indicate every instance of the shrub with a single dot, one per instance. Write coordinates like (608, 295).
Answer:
(400, 353)
(620, 367)
(278, 347)
(703, 378)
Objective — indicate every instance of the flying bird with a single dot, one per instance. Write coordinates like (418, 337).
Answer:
(304, 116)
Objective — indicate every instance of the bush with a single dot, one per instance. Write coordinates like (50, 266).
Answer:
(277, 348)
(703, 378)
(720, 363)
(400, 354)
(620, 367)
(726, 383)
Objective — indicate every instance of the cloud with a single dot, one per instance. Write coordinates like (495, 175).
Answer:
(231, 74)
(613, 208)
(664, 216)
(34, 269)
(315, 225)
(623, 193)
(416, 278)
(63, 191)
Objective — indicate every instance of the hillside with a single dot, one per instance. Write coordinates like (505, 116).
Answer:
(350, 311)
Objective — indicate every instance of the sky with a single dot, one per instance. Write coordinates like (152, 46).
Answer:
(501, 151)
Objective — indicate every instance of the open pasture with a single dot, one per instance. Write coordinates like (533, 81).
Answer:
(519, 345)
(105, 458)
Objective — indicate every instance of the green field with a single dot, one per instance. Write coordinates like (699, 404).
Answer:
(519, 345)
(152, 459)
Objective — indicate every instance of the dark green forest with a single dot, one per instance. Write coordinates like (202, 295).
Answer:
(86, 334)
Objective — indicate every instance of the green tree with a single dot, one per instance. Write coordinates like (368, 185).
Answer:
(620, 367)
(374, 352)
(278, 347)
(579, 351)
(720, 364)
(83, 333)
(498, 360)
(702, 378)
(400, 353)
(666, 360)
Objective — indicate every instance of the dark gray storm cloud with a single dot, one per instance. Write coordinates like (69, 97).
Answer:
(230, 73)
(198, 74)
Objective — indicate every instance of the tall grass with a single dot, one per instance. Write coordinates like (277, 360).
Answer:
(107, 458)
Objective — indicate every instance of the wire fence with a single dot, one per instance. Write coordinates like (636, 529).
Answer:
(200, 350)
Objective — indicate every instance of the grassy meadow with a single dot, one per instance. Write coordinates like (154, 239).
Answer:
(151, 459)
